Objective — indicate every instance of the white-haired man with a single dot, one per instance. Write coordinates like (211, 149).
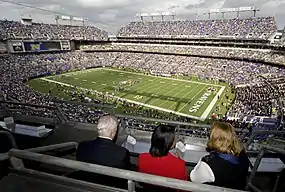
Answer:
(103, 150)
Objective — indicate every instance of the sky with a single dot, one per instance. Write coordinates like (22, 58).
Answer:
(110, 15)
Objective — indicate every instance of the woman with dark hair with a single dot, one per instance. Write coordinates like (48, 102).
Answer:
(159, 161)
(227, 164)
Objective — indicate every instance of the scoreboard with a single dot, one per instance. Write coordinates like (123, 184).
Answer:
(42, 46)
(38, 46)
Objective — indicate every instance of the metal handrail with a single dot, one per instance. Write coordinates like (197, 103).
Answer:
(5, 156)
(278, 141)
(263, 149)
(114, 172)
(10, 137)
(86, 104)
(53, 147)
(28, 104)
(255, 133)
(162, 121)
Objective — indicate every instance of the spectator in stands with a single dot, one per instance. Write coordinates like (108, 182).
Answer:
(159, 161)
(103, 150)
(227, 164)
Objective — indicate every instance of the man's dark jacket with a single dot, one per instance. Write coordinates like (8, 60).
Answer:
(104, 152)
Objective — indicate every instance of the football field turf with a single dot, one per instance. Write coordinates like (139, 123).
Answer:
(193, 99)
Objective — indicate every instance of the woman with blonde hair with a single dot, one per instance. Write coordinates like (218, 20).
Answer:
(227, 164)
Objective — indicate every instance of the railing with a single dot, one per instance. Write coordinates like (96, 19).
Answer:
(131, 176)
(263, 132)
(163, 121)
(10, 137)
(264, 148)
(5, 156)
(28, 104)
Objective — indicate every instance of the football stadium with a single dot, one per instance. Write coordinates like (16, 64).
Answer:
(164, 104)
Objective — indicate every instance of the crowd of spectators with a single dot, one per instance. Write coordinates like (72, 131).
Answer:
(227, 52)
(253, 27)
(81, 113)
(254, 100)
(36, 31)
(35, 111)
(278, 81)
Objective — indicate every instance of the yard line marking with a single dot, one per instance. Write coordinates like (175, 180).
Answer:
(166, 93)
(158, 87)
(145, 84)
(165, 77)
(149, 85)
(183, 96)
(128, 100)
(152, 89)
(192, 98)
(174, 96)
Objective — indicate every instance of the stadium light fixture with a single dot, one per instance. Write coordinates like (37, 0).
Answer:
(70, 19)
(232, 10)
(161, 15)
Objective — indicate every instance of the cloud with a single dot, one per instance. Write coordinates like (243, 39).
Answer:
(112, 14)
(104, 4)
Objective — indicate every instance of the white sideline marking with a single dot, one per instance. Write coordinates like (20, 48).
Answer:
(56, 82)
(212, 104)
(75, 72)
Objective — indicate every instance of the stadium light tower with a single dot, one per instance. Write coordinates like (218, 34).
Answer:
(161, 15)
(70, 19)
(26, 20)
(232, 10)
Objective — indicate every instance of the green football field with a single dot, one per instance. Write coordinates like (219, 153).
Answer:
(195, 99)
